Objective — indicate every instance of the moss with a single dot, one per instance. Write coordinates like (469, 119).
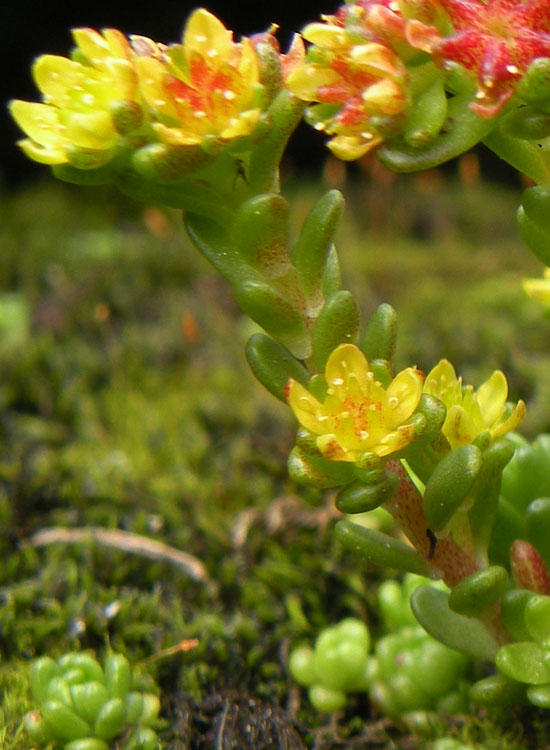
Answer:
(127, 404)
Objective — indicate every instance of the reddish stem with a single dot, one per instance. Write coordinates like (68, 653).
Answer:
(449, 560)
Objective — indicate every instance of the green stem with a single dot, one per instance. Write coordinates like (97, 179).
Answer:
(445, 556)
(263, 171)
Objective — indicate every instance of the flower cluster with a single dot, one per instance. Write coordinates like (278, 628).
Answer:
(365, 70)
(205, 89)
(356, 74)
(470, 412)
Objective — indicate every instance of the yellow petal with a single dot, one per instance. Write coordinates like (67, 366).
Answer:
(305, 406)
(442, 380)
(345, 362)
(349, 148)
(177, 136)
(404, 393)
(248, 66)
(43, 154)
(117, 43)
(39, 121)
(94, 130)
(333, 451)
(384, 98)
(394, 441)
(305, 80)
(206, 35)
(244, 124)
(55, 75)
(123, 77)
(153, 75)
(376, 58)
(458, 427)
(329, 37)
(92, 45)
(512, 422)
(491, 397)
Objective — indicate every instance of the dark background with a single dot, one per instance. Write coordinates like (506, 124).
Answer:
(30, 28)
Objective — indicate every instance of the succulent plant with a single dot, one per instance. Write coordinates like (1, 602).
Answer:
(82, 705)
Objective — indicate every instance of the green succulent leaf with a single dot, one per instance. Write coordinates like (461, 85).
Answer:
(539, 695)
(259, 234)
(358, 497)
(537, 519)
(535, 237)
(311, 250)
(338, 323)
(273, 365)
(465, 634)
(88, 698)
(497, 690)
(380, 334)
(512, 608)
(450, 483)
(63, 722)
(537, 618)
(427, 116)
(118, 676)
(479, 591)
(110, 720)
(376, 548)
(466, 130)
(523, 662)
(42, 672)
(87, 743)
(273, 312)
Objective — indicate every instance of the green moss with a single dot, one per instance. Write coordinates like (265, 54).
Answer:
(127, 404)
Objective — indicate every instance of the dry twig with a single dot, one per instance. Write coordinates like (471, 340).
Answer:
(124, 541)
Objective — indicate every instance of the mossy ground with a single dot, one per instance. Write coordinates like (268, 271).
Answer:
(127, 405)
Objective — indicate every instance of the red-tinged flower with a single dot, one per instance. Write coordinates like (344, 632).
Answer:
(206, 87)
(356, 84)
(496, 41)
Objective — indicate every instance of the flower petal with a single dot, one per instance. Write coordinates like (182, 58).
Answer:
(39, 121)
(305, 407)
(332, 450)
(206, 35)
(458, 427)
(404, 393)
(512, 422)
(491, 396)
(55, 76)
(345, 362)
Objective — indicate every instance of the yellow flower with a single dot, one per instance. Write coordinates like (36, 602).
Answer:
(539, 289)
(88, 101)
(207, 86)
(358, 415)
(470, 412)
